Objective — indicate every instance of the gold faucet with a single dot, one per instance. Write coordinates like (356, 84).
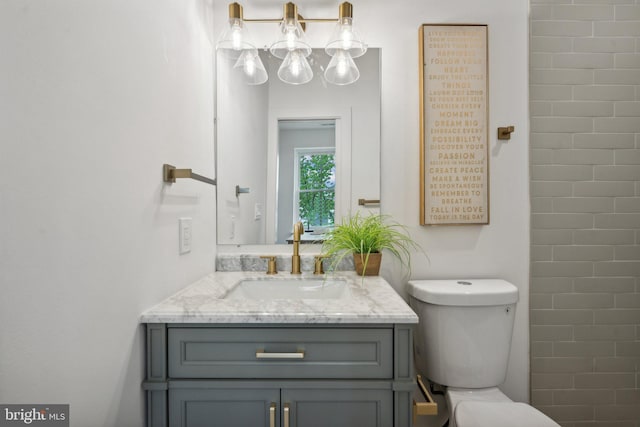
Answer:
(298, 230)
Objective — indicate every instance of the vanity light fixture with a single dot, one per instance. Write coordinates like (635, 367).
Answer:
(292, 47)
(235, 37)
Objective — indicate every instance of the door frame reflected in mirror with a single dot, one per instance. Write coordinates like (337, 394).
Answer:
(307, 152)
(342, 117)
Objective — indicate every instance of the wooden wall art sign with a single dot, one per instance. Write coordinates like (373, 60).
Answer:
(454, 166)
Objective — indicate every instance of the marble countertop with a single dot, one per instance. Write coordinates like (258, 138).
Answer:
(371, 301)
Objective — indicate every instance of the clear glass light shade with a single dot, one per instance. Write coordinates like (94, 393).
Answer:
(345, 38)
(341, 69)
(234, 39)
(290, 37)
(295, 68)
(252, 68)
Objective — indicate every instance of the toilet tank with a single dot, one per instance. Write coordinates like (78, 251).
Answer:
(464, 333)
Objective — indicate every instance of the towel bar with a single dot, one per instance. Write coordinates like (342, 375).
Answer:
(364, 202)
(170, 174)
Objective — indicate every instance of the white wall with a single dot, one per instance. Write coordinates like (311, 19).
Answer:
(500, 249)
(94, 98)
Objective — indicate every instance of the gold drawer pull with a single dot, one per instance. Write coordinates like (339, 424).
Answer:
(272, 415)
(261, 354)
(286, 415)
(430, 407)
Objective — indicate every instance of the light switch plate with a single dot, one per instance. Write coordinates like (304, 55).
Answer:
(185, 235)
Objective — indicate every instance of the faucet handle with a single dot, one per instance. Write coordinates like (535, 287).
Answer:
(271, 264)
(318, 264)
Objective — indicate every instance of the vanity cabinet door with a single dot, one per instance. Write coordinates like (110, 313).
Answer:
(220, 407)
(324, 407)
(299, 404)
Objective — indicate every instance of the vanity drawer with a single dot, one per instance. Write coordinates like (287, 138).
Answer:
(280, 353)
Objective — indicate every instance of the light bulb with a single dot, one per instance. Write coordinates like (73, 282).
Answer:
(294, 68)
(249, 67)
(346, 35)
(290, 36)
(236, 37)
(342, 66)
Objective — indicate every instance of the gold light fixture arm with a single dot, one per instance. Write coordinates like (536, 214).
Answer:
(235, 11)
(345, 10)
(170, 174)
(291, 10)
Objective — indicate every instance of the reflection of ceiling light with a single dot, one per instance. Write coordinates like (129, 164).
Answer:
(295, 69)
(252, 67)
(291, 46)
(342, 70)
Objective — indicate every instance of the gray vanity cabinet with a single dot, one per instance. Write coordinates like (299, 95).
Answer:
(279, 375)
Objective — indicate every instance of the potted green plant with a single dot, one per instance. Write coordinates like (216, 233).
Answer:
(366, 237)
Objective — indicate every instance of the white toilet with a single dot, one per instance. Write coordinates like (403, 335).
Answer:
(462, 342)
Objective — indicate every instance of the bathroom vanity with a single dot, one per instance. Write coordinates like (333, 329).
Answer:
(324, 357)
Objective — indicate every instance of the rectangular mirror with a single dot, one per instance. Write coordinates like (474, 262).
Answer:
(288, 153)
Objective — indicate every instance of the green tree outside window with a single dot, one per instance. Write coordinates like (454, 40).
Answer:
(317, 191)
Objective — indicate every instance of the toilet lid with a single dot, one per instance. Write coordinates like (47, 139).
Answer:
(497, 414)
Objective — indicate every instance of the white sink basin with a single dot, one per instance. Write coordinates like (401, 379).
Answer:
(289, 288)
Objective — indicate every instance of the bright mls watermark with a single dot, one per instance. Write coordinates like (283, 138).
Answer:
(34, 415)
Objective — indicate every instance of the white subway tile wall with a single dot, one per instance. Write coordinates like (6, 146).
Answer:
(585, 201)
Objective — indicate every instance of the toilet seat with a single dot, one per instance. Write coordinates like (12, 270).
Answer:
(471, 413)
(491, 407)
